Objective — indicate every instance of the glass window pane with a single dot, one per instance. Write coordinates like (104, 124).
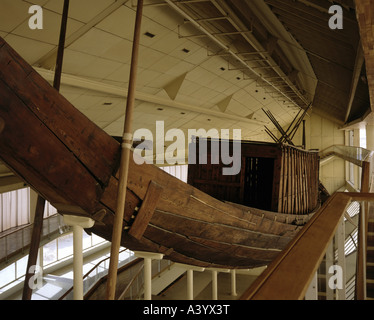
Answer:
(65, 246)
(96, 239)
(7, 275)
(21, 266)
(50, 252)
(86, 240)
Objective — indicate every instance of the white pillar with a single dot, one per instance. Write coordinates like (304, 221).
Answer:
(214, 285)
(148, 257)
(233, 283)
(189, 284)
(190, 270)
(78, 224)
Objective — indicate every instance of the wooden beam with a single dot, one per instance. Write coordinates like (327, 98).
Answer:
(34, 247)
(146, 210)
(2, 125)
(360, 59)
(125, 160)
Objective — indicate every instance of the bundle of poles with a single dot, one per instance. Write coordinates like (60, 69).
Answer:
(289, 134)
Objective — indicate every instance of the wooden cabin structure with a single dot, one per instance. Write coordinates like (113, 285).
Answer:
(273, 177)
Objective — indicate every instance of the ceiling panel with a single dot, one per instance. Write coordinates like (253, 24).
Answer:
(31, 50)
(51, 28)
(81, 10)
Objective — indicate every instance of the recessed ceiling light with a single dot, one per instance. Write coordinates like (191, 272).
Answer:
(107, 103)
(238, 78)
(186, 50)
(160, 109)
(222, 68)
(150, 35)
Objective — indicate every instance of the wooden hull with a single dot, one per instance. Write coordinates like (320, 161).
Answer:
(73, 164)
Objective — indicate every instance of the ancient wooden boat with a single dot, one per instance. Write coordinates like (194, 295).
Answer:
(73, 164)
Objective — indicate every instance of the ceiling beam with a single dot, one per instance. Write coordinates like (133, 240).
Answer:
(226, 11)
(360, 59)
(117, 91)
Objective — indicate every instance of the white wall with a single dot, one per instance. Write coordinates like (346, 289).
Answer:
(320, 134)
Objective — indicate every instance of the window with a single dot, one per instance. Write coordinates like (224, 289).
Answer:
(14, 209)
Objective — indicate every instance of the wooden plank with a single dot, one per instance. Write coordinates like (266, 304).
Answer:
(2, 125)
(289, 275)
(146, 210)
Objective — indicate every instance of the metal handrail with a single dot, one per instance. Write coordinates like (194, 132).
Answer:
(122, 295)
(28, 228)
(88, 273)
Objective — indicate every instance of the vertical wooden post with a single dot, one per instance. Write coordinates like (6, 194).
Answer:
(125, 158)
(34, 247)
(39, 211)
(304, 135)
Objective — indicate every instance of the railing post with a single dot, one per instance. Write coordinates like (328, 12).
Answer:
(312, 292)
(361, 253)
(329, 264)
(340, 237)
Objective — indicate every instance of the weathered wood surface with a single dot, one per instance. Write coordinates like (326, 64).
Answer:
(73, 164)
(146, 211)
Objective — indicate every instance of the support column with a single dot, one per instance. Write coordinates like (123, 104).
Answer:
(214, 285)
(233, 283)
(78, 224)
(190, 270)
(189, 284)
(148, 257)
(215, 281)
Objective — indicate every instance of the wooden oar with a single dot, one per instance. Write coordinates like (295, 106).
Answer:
(40, 204)
(125, 158)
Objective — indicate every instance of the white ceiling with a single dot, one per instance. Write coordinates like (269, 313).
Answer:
(99, 44)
